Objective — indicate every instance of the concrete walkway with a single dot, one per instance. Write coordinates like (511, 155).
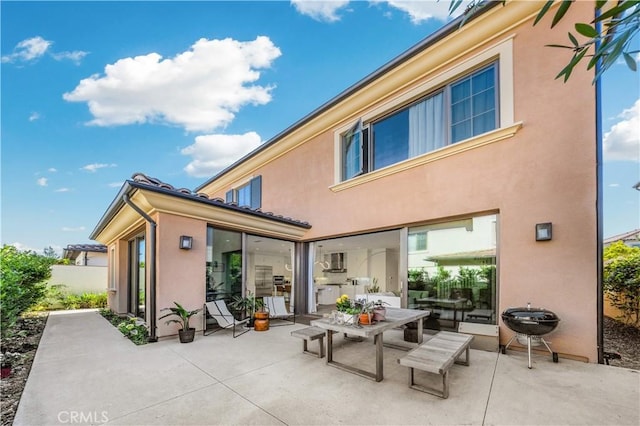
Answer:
(85, 372)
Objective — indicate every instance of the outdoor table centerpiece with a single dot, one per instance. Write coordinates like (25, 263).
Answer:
(350, 312)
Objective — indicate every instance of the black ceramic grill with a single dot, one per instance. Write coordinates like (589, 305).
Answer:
(530, 324)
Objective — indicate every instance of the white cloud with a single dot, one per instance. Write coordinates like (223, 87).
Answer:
(76, 229)
(422, 10)
(23, 247)
(76, 56)
(200, 89)
(95, 166)
(323, 11)
(212, 153)
(622, 142)
(614, 185)
(28, 50)
(115, 184)
(418, 10)
(34, 116)
(52, 169)
(42, 181)
(63, 190)
(34, 48)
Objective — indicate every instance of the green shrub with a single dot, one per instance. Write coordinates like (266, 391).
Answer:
(57, 297)
(622, 280)
(22, 283)
(132, 328)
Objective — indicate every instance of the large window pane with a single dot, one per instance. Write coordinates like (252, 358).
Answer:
(391, 140)
(460, 110)
(455, 277)
(473, 105)
(270, 268)
(224, 264)
(137, 277)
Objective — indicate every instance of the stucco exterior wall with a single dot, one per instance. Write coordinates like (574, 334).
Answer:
(180, 273)
(545, 173)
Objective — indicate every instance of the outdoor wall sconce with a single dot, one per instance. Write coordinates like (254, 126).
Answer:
(543, 231)
(186, 242)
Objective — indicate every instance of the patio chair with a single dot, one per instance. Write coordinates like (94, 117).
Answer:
(218, 310)
(278, 310)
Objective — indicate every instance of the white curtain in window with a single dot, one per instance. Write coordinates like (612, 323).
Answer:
(426, 125)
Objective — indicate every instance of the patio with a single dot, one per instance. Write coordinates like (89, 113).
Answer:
(87, 371)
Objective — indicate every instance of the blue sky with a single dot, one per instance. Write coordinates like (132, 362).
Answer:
(93, 92)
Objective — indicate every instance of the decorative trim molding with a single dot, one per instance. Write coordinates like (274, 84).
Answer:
(457, 148)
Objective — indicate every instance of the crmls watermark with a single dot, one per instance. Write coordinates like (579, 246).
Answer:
(79, 417)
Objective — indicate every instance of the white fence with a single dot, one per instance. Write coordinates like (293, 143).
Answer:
(80, 279)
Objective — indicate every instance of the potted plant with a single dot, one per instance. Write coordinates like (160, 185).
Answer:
(248, 305)
(186, 333)
(366, 311)
(347, 308)
(379, 311)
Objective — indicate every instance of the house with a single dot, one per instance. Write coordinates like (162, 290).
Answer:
(86, 254)
(86, 271)
(461, 170)
(631, 239)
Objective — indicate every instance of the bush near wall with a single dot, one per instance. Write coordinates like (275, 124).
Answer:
(622, 280)
(132, 328)
(22, 283)
(58, 297)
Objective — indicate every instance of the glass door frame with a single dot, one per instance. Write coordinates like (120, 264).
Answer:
(135, 274)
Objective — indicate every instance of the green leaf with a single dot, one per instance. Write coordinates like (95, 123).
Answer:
(562, 10)
(631, 63)
(560, 45)
(617, 10)
(543, 11)
(454, 5)
(566, 72)
(586, 30)
(574, 40)
(600, 3)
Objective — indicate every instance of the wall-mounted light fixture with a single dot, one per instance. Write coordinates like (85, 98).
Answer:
(543, 231)
(186, 242)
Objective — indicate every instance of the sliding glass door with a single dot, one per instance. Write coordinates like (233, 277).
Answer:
(452, 271)
(137, 277)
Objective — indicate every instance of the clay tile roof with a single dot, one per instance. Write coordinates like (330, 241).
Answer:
(143, 180)
(98, 248)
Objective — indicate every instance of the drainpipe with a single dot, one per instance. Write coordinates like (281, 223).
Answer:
(599, 209)
(152, 272)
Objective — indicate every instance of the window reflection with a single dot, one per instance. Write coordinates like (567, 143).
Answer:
(452, 271)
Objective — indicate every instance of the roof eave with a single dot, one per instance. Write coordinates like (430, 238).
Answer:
(443, 32)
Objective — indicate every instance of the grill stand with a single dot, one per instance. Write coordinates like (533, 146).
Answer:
(554, 355)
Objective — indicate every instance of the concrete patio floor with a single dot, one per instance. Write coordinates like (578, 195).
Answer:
(85, 371)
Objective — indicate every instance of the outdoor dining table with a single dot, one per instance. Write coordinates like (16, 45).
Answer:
(395, 317)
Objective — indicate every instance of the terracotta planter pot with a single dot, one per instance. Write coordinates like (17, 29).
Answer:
(366, 319)
(261, 321)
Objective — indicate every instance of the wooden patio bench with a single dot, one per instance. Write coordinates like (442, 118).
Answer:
(436, 356)
(309, 334)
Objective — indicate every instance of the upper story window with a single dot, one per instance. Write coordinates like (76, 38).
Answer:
(249, 194)
(460, 110)
(417, 241)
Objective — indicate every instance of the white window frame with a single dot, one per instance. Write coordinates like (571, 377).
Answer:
(112, 270)
(502, 52)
